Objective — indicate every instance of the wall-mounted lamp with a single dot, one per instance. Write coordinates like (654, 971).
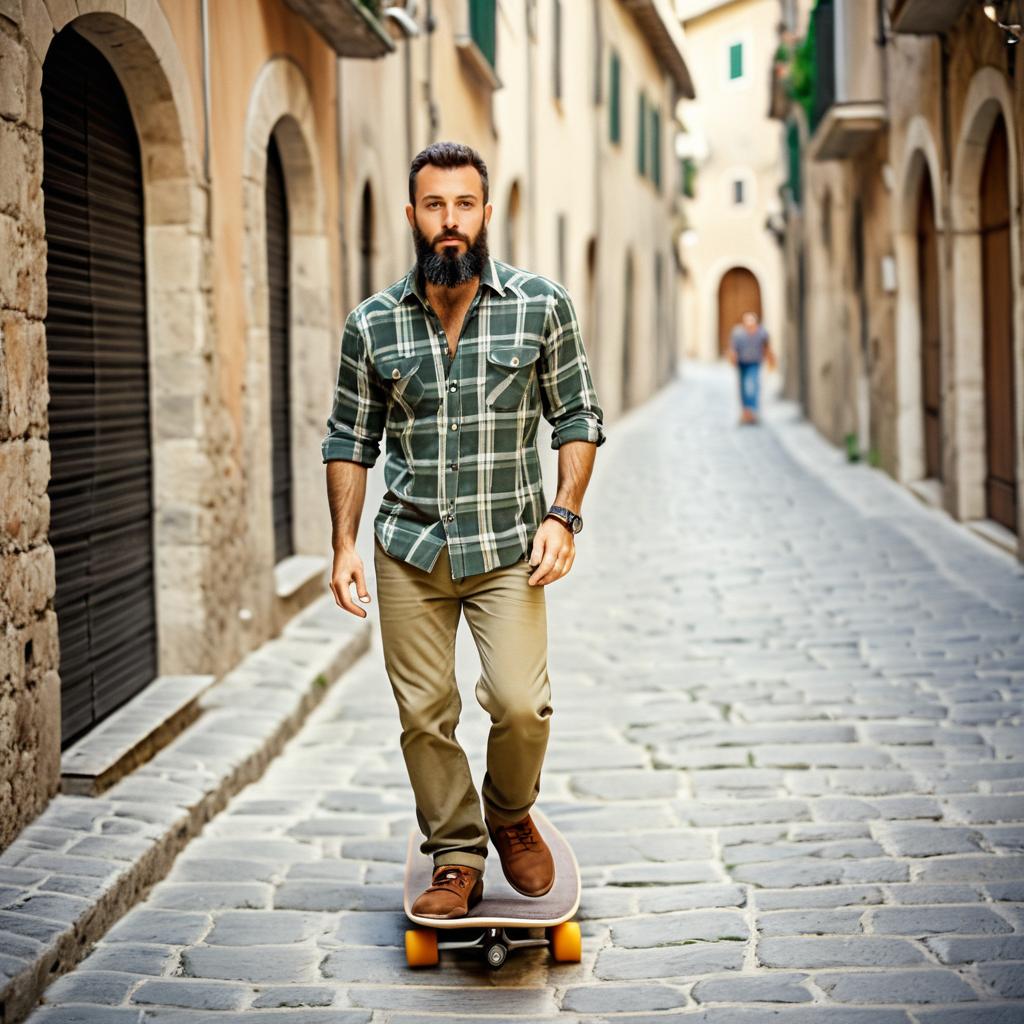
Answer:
(405, 17)
(1009, 16)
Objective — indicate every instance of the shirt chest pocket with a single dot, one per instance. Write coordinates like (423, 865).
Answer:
(409, 384)
(509, 372)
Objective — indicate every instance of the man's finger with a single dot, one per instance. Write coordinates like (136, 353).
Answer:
(537, 554)
(345, 596)
(546, 566)
(364, 594)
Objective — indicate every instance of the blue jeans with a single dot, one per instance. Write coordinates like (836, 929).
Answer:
(749, 384)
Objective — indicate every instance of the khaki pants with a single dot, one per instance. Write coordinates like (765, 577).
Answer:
(419, 615)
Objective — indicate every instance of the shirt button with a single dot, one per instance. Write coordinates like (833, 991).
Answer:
(455, 465)
(396, 373)
(452, 388)
(455, 426)
(515, 360)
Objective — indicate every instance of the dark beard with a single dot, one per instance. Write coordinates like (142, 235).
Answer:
(450, 268)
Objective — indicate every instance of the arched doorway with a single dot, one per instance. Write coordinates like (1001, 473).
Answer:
(997, 307)
(931, 330)
(738, 293)
(591, 336)
(278, 265)
(101, 496)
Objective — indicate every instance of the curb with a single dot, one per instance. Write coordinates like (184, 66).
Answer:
(85, 861)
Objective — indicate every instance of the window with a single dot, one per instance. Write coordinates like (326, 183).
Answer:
(688, 177)
(482, 27)
(557, 54)
(656, 147)
(641, 136)
(735, 61)
(614, 100)
(738, 192)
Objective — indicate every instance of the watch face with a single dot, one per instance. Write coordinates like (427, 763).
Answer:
(577, 524)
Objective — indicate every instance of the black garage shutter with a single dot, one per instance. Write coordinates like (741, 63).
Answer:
(280, 361)
(100, 491)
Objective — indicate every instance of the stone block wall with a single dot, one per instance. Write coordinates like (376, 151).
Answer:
(29, 656)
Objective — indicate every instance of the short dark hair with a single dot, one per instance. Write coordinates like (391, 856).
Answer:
(446, 154)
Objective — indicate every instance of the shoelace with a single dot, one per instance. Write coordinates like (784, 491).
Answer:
(520, 836)
(450, 875)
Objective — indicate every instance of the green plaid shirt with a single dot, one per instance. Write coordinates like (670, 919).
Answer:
(461, 465)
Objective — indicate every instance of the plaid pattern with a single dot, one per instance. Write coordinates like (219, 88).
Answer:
(461, 463)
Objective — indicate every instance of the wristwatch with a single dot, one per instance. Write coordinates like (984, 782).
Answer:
(568, 519)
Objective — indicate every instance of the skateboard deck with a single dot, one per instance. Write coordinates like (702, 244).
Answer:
(501, 909)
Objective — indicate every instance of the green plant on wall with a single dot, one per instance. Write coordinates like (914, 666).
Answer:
(802, 72)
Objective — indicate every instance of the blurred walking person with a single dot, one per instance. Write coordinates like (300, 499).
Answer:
(748, 347)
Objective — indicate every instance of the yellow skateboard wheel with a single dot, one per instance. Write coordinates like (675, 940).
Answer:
(421, 947)
(566, 943)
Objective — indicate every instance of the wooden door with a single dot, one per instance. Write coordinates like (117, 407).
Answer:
(1000, 444)
(280, 354)
(737, 294)
(931, 346)
(100, 490)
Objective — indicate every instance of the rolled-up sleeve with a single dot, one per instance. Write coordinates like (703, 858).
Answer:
(568, 398)
(356, 423)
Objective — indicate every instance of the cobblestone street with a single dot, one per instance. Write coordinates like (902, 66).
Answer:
(786, 748)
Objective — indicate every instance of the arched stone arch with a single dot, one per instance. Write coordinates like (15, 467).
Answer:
(920, 158)
(194, 623)
(713, 283)
(281, 105)
(989, 96)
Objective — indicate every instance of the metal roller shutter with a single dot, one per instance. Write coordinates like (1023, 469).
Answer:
(280, 361)
(100, 486)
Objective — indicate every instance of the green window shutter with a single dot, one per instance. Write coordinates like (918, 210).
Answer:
(614, 101)
(793, 148)
(736, 61)
(641, 136)
(656, 147)
(482, 27)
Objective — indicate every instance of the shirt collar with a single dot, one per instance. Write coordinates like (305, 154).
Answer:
(488, 276)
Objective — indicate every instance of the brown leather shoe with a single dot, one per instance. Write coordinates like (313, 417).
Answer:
(453, 889)
(525, 857)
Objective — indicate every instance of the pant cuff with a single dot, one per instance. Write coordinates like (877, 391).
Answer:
(468, 860)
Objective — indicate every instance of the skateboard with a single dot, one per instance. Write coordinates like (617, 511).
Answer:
(503, 920)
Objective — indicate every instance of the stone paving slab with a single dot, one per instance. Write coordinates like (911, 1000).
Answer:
(786, 746)
(74, 871)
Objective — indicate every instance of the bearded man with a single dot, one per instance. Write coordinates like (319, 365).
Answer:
(456, 362)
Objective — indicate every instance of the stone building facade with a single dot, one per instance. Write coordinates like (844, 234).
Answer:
(734, 258)
(192, 196)
(903, 247)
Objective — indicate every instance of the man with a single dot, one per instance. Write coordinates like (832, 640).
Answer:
(457, 361)
(748, 345)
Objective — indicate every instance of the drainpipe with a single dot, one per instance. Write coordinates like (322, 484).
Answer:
(531, 139)
(340, 160)
(204, 20)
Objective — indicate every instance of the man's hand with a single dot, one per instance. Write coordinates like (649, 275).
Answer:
(554, 549)
(348, 569)
(732, 356)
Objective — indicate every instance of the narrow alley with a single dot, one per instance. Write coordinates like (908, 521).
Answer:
(786, 749)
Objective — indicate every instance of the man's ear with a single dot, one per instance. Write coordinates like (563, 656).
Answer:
(488, 210)
(410, 214)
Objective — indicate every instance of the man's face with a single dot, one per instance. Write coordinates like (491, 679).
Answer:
(749, 321)
(449, 224)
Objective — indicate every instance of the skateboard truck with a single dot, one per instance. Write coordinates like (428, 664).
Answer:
(504, 919)
(422, 946)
